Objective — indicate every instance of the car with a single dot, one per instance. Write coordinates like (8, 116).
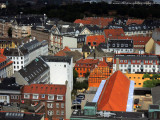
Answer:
(76, 107)
(82, 97)
(76, 102)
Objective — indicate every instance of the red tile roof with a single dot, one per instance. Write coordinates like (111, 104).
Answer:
(137, 21)
(114, 33)
(44, 89)
(86, 63)
(62, 52)
(137, 40)
(100, 21)
(102, 64)
(114, 95)
(90, 61)
(96, 38)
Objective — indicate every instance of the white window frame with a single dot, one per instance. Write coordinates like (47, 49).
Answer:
(37, 96)
(51, 98)
(59, 96)
(43, 96)
(28, 96)
(50, 113)
(49, 105)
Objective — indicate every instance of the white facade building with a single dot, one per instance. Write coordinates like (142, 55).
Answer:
(133, 63)
(61, 69)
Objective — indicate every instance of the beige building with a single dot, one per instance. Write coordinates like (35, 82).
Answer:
(150, 46)
(4, 27)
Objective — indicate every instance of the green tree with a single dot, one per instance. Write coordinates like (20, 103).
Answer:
(153, 80)
(10, 32)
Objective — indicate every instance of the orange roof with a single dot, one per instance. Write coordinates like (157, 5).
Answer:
(100, 21)
(62, 52)
(137, 21)
(114, 95)
(95, 38)
(114, 33)
(137, 40)
(88, 61)
(44, 89)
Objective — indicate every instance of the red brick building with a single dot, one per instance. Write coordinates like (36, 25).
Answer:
(53, 100)
(85, 65)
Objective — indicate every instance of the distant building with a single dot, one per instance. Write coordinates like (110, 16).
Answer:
(10, 92)
(35, 72)
(53, 100)
(23, 55)
(6, 66)
(134, 2)
(136, 63)
(85, 65)
(61, 69)
(120, 46)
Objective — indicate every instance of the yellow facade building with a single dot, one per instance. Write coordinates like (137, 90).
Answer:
(7, 43)
(137, 78)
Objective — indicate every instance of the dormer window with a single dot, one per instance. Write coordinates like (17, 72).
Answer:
(26, 96)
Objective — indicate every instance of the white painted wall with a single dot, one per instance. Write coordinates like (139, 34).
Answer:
(71, 42)
(59, 73)
(157, 49)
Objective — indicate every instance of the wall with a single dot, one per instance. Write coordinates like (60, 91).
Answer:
(149, 47)
(71, 42)
(157, 49)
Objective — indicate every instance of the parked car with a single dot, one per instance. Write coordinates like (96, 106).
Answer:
(80, 96)
(76, 102)
(76, 107)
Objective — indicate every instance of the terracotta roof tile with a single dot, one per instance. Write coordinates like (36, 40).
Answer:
(114, 95)
(114, 33)
(96, 38)
(136, 21)
(44, 89)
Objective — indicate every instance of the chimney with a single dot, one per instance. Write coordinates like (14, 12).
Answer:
(117, 64)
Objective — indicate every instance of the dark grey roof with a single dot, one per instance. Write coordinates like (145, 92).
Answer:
(30, 46)
(91, 104)
(136, 57)
(85, 48)
(9, 84)
(103, 45)
(120, 43)
(33, 70)
(97, 52)
(20, 116)
(117, 116)
(75, 54)
(156, 95)
(154, 106)
(57, 59)
(15, 52)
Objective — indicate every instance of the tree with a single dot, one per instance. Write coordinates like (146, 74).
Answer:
(10, 32)
(153, 80)
(87, 74)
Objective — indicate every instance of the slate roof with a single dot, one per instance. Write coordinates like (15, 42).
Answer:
(33, 70)
(44, 89)
(156, 95)
(20, 116)
(30, 46)
(120, 44)
(9, 84)
(15, 52)
(57, 59)
(114, 95)
(97, 52)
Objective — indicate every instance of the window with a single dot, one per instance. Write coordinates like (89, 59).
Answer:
(146, 61)
(57, 112)
(133, 61)
(57, 105)
(35, 96)
(121, 61)
(129, 77)
(43, 96)
(50, 113)
(62, 105)
(139, 83)
(50, 105)
(59, 97)
(94, 43)
(62, 112)
(21, 62)
(150, 61)
(17, 62)
(126, 45)
(26, 96)
(64, 65)
(125, 61)
(50, 97)
(21, 58)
